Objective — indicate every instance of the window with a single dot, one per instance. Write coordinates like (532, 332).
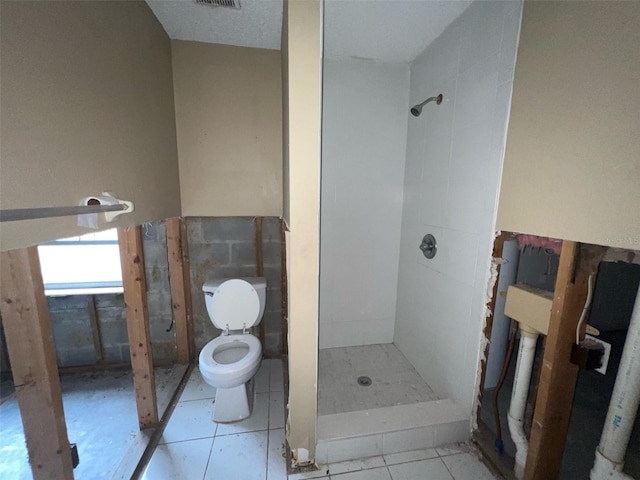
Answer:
(82, 265)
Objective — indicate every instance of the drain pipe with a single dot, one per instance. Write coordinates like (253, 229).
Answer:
(519, 394)
(623, 407)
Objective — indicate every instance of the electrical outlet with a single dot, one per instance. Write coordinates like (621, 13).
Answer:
(605, 357)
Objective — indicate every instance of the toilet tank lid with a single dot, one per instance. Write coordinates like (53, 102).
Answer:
(210, 286)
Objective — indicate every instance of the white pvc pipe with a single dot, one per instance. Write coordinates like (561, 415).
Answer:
(623, 407)
(519, 394)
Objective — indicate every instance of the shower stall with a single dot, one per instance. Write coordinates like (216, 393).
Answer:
(400, 323)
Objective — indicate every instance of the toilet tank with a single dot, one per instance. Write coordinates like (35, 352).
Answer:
(259, 283)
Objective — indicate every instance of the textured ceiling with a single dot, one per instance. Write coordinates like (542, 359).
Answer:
(258, 23)
(384, 30)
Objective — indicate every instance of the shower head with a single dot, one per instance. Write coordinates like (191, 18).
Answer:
(416, 110)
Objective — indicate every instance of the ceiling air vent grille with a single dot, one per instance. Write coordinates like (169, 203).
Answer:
(220, 3)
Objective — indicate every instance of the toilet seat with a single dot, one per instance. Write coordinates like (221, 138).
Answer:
(235, 305)
(228, 375)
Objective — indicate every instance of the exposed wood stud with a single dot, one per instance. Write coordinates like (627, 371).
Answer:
(557, 374)
(259, 269)
(498, 245)
(179, 276)
(33, 360)
(284, 287)
(95, 328)
(135, 299)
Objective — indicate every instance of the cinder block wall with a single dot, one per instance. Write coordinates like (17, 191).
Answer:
(221, 247)
(70, 314)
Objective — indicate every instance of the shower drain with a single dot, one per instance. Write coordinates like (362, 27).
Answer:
(364, 381)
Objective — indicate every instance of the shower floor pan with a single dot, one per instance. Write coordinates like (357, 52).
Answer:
(395, 411)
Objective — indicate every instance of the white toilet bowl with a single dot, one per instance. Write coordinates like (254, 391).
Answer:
(229, 362)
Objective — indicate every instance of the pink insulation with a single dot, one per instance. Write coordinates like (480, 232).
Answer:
(543, 242)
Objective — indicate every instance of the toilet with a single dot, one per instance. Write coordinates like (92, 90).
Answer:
(230, 361)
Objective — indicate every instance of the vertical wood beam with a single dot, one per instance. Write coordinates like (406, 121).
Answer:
(95, 328)
(259, 267)
(180, 281)
(284, 287)
(32, 354)
(557, 375)
(135, 299)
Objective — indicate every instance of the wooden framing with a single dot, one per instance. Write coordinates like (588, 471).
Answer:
(180, 280)
(557, 375)
(95, 329)
(135, 299)
(259, 269)
(33, 361)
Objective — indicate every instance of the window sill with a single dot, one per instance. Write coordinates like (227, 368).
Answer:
(62, 292)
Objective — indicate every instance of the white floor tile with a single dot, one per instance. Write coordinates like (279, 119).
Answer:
(276, 463)
(261, 379)
(277, 380)
(432, 469)
(189, 421)
(412, 456)
(177, 461)
(196, 388)
(238, 457)
(452, 449)
(276, 410)
(467, 466)
(259, 419)
(373, 474)
(356, 465)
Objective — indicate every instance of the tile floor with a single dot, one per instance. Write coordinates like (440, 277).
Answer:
(394, 380)
(193, 447)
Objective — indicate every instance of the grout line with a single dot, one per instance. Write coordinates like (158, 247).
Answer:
(204, 475)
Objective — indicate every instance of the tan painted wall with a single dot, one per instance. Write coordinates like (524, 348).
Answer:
(303, 19)
(87, 106)
(229, 122)
(572, 164)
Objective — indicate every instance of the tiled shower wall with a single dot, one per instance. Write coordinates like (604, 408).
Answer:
(221, 247)
(365, 108)
(452, 177)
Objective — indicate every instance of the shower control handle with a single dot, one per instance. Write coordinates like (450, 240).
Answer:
(429, 246)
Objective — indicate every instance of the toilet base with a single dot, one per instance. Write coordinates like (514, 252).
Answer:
(233, 404)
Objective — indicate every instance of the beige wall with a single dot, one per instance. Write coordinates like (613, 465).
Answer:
(572, 165)
(303, 69)
(229, 123)
(87, 106)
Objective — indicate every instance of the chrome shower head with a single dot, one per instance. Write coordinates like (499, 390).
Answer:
(416, 110)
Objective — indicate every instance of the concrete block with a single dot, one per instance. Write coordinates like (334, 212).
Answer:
(271, 254)
(273, 322)
(113, 314)
(272, 345)
(77, 357)
(154, 254)
(110, 300)
(274, 300)
(204, 257)
(273, 276)
(243, 254)
(159, 303)
(220, 229)
(163, 352)
(113, 333)
(158, 279)
(271, 229)
(194, 230)
(67, 302)
(154, 232)
(158, 326)
(113, 354)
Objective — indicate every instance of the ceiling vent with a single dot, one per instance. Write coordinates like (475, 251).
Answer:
(220, 3)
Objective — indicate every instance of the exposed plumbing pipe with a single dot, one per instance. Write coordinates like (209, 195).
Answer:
(623, 407)
(519, 394)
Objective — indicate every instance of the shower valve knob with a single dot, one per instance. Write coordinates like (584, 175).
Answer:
(429, 246)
